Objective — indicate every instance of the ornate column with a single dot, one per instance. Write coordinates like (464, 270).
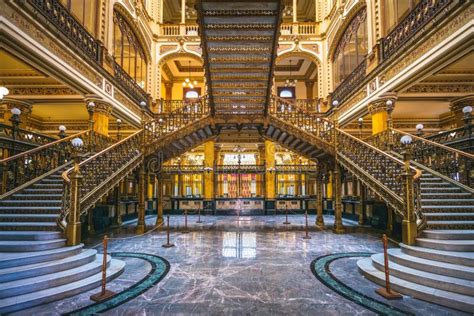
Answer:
(456, 107)
(409, 227)
(269, 176)
(100, 115)
(209, 158)
(381, 112)
(319, 200)
(309, 89)
(141, 200)
(159, 199)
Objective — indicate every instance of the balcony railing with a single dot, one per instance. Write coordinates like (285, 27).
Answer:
(296, 169)
(22, 135)
(59, 16)
(240, 169)
(189, 169)
(129, 85)
(298, 28)
(423, 13)
(351, 83)
(179, 30)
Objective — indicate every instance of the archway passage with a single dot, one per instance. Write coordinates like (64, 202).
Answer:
(239, 40)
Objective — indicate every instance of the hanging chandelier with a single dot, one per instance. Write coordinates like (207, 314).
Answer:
(187, 82)
(290, 82)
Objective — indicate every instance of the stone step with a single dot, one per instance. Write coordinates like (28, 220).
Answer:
(449, 234)
(437, 296)
(21, 203)
(458, 195)
(47, 186)
(447, 245)
(19, 302)
(447, 189)
(30, 208)
(425, 185)
(37, 269)
(44, 196)
(450, 224)
(462, 258)
(28, 217)
(42, 191)
(30, 245)
(452, 202)
(462, 216)
(13, 259)
(453, 270)
(446, 207)
(28, 226)
(45, 281)
(430, 179)
(52, 180)
(437, 281)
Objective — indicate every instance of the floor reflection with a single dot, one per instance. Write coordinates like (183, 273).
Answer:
(239, 245)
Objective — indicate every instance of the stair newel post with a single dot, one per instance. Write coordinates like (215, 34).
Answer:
(319, 199)
(90, 141)
(73, 229)
(337, 187)
(409, 228)
(390, 105)
(141, 227)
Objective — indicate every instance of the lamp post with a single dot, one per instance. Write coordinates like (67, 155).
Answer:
(409, 229)
(90, 110)
(419, 130)
(62, 131)
(338, 227)
(467, 116)
(360, 121)
(390, 106)
(73, 228)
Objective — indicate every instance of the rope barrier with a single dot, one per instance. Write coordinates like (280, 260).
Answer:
(168, 244)
(104, 293)
(307, 236)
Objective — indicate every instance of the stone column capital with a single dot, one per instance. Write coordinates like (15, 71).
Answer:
(385, 103)
(101, 106)
(24, 105)
(458, 104)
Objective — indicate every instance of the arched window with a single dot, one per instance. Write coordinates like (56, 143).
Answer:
(85, 11)
(352, 47)
(128, 52)
(287, 93)
(191, 94)
(395, 11)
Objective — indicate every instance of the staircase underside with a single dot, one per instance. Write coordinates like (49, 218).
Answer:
(239, 40)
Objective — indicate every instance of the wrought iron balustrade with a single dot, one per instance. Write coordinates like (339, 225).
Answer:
(239, 169)
(22, 168)
(461, 138)
(175, 169)
(296, 168)
(351, 83)
(23, 135)
(447, 161)
(179, 30)
(129, 85)
(424, 12)
(65, 22)
(101, 172)
(298, 28)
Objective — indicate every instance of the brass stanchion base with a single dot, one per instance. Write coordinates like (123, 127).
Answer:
(338, 230)
(167, 245)
(392, 295)
(99, 297)
(140, 229)
(307, 237)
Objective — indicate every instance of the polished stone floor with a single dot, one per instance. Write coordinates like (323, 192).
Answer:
(237, 268)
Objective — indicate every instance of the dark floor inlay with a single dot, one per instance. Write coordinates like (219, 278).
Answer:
(320, 268)
(159, 269)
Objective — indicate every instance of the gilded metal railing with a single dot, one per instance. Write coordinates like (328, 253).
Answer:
(129, 85)
(27, 166)
(384, 174)
(239, 169)
(100, 173)
(58, 15)
(452, 163)
(23, 135)
(423, 13)
(190, 169)
(350, 83)
(296, 168)
(461, 138)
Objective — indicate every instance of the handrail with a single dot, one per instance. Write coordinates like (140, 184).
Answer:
(34, 150)
(457, 151)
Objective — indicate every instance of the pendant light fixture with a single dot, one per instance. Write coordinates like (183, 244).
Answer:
(290, 82)
(187, 82)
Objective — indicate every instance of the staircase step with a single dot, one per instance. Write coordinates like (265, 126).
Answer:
(435, 185)
(463, 216)
(29, 235)
(35, 197)
(37, 269)
(438, 281)
(437, 296)
(38, 283)
(431, 195)
(449, 234)
(41, 191)
(47, 186)
(21, 203)
(453, 202)
(28, 226)
(462, 258)
(28, 217)
(52, 180)
(12, 259)
(448, 245)
(430, 179)
(30, 245)
(453, 270)
(450, 224)
(435, 189)
(447, 207)
(15, 303)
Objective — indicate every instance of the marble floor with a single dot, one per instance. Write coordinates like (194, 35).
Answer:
(234, 268)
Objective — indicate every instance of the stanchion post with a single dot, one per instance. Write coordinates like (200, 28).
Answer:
(186, 230)
(104, 293)
(306, 236)
(199, 216)
(386, 292)
(168, 244)
(286, 222)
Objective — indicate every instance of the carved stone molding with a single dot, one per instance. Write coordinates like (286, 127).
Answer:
(101, 106)
(380, 105)
(25, 106)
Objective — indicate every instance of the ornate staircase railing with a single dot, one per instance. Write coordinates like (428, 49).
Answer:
(88, 181)
(449, 162)
(461, 138)
(19, 170)
(390, 178)
(23, 135)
